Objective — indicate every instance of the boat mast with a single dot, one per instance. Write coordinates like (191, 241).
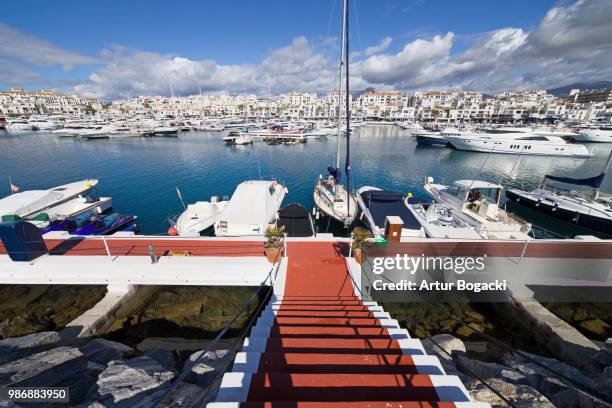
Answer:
(342, 56)
(347, 167)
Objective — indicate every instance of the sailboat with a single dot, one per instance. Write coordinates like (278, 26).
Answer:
(593, 213)
(331, 197)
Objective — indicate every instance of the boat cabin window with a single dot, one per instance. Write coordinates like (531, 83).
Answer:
(488, 194)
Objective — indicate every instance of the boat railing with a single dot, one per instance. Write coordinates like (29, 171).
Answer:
(156, 247)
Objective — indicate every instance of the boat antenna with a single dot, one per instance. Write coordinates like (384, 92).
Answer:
(342, 56)
(180, 196)
(347, 168)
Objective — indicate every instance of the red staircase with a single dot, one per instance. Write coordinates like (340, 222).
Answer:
(318, 345)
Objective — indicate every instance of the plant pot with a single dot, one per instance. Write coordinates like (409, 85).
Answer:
(271, 254)
(358, 255)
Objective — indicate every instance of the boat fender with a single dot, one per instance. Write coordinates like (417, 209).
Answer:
(538, 202)
(554, 207)
(172, 231)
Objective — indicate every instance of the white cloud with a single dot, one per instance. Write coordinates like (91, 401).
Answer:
(128, 72)
(571, 43)
(396, 69)
(32, 50)
(375, 49)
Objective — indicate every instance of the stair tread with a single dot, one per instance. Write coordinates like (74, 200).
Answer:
(356, 404)
(343, 387)
(336, 363)
(334, 321)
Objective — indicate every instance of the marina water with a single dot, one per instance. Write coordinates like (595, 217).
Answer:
(141, 173)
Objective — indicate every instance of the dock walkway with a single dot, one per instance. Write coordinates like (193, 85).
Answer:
(319, 345)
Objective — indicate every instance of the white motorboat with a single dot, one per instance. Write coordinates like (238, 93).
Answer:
(534, 145)
(441, 221)
(42, 124)
(18, 125)
(243, 139)
(30, 203)
(602, 135)
(253, 207)
(376, 205)
(412, 127)
(166, 131)
(476, 202)
(199, 217)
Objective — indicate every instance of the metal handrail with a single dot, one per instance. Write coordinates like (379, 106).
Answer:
(209, 347)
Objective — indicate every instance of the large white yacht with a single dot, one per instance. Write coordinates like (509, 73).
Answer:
(18, 124)
(601, 135)
(476, 202)
(252, 208)
(528, 144)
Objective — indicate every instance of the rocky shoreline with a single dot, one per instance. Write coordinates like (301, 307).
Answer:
(103, 373)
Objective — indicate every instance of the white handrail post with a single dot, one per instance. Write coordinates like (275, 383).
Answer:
(152, 254)
(106, 246)
(351, 246)
(285, 245)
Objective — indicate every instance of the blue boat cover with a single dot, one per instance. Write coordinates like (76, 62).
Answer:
(335, 173)
(23, 241)
(383, 203)
(594, 182)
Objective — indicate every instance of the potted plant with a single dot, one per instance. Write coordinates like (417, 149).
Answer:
(360, 235)
(274, 241)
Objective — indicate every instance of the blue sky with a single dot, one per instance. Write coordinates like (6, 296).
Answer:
(132, 47)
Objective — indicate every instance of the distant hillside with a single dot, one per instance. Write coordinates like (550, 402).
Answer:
(565, 90)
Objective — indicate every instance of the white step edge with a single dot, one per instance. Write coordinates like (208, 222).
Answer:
(468, 404)
(408, 346)
(248, 362)
(235, 387)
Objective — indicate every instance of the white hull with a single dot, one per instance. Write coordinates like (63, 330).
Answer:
(253, 207)
(594, 136)
(18, 126)
(332, 201)
(519, 146)
(199, 217)
(40, 201)
(487, 218)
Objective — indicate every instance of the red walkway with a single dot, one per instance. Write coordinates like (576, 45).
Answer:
(323, 347)
(162, 247)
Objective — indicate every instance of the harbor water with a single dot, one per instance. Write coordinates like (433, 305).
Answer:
(141, 174)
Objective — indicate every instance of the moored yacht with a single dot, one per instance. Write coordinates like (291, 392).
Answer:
(601, 135)
(63, 201)
(534, 145)
(253, 207)
(198, 217)
(441, 221)
(376, 205)
(579, 208)
(476, 202)
(18, 125)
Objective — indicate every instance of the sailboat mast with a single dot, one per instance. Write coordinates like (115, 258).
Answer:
(342, 56)
(347, 167)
